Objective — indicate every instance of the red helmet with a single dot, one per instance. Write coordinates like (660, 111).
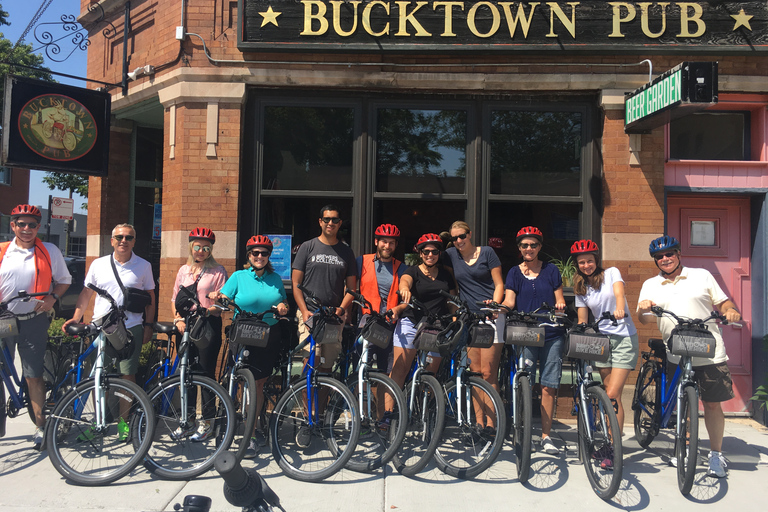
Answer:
(387, 231)
(202, 234)
(26, 209)
(259, 241)
(429, 239)
(530, 231)
(584, 247)
(496, 242)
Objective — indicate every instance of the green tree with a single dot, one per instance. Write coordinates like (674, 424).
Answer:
(19, 54)
(69, 182)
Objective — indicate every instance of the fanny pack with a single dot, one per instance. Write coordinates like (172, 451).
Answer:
(134, 299)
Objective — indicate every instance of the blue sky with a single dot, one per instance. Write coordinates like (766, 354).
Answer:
(20, 14)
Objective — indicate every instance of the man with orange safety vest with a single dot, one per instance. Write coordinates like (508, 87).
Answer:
(28, 264)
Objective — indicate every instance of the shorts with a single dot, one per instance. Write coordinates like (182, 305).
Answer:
(550, 357)
(130, 365)
(498, 327)
(715, 384)
(405, 332)
(325, 354)
(624, 352)
(32, 341)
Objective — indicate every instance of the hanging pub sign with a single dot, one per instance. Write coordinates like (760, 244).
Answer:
(684, 89)
(471, 25)
(55, 127)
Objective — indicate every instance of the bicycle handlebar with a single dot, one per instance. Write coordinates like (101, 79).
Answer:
(25, 297)
(682, 321)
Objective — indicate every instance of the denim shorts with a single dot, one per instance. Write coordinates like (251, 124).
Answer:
(550, 359)
(405, 332)
(624, 353)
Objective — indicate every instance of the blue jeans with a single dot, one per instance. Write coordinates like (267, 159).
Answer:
(550, 357)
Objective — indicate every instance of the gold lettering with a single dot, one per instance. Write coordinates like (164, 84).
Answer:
(367, 18)
(410, 18)
(337, 17)
(644, 6)
(525, 23)
(494, 13)
(685, 20)
(309, 16)
(448, 31)
(27, 114)
(617, 18)
(569, 24)
(87, 125)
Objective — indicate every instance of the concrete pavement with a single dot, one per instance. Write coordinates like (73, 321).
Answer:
(30, 483)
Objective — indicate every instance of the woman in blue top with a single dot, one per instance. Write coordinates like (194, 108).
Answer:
(528, 285)
(257, 288)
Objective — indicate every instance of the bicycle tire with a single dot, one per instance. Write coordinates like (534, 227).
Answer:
(424, 426)
(328, 444)
(647, 404)
(177, 457)
(687, 442)
(386, 433)
(523, 419)
(605, 482)
(243, 398)
(98, 457)
(464, 452)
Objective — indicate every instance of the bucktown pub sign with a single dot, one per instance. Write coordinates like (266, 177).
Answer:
(447, 25)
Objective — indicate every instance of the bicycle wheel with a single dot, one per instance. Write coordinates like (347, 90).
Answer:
(244, 400)
(425, 421)
(687, 441)
(382, 431)
(178, 451)
(467, 449)
(312, 453)
(600, 443)
(522, 428)
(88, 454)
(647, 404)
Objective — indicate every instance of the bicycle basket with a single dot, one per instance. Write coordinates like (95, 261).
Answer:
(426, 336)
(588, 345)
(481, 335)
(523, 334)
(327, 330)
(9, 324)
(120, 343)
(201, 331)
(249, 331)
(378, 331)
(692, 342)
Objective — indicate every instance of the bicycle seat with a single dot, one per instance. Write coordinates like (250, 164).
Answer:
(78, 329)
(657, 346)
(164, 327)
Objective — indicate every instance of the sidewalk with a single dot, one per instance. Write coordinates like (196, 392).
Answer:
(30, 483)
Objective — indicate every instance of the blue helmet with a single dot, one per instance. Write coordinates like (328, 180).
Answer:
(664, 243)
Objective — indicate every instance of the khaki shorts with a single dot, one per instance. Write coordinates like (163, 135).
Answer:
(624, 353)
(326, 354)
(715, 384)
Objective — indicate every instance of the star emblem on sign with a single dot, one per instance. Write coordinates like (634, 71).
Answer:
(742, 20)
(269, 16)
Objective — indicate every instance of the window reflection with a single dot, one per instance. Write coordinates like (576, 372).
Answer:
(535, 153)
(422, 151)
(710, 136)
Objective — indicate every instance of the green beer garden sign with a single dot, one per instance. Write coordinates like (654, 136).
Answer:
(446, 25)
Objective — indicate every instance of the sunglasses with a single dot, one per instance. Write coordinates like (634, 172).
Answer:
(657, 257)
(119, 238)
(30, 225)
(256, 254)
(525, 246)
(332, 220)
(459, 237)
(204, 248)
(428, 252)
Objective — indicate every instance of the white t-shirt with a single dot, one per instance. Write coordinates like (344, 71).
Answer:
(602, 300)
(135, 273)
(17, 272)
(693, 294)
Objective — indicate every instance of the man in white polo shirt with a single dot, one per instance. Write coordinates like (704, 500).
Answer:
(28, 264)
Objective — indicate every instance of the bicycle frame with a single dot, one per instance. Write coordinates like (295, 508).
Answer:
(584, 381)
(672, 390)
(517, 369)
(77, 369)
(12, 381)
(166, 368)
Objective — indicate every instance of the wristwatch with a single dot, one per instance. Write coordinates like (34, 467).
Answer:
(55, 297)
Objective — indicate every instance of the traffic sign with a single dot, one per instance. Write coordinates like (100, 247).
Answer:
(62, 208)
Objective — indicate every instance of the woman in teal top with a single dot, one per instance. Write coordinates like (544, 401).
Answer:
(256, 289)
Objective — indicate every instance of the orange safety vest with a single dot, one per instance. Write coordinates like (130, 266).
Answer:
(43, 271)
(369, 287)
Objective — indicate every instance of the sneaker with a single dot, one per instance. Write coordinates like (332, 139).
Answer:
(472, 437)
(37, 437)
(673, 461)
(607, 462)
(717, 465)
(204, 432)
(123, 431)
(304, 436)
(86, 435)
(488, 433)
(182, 432)
(548, 446)
(365, 432)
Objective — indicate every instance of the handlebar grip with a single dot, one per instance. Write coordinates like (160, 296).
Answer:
(98, 290)
(452, 298)
(241, 488)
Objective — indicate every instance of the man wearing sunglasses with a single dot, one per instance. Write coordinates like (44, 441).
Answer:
(325, 266)
(693, 293)
(26, 263)
(133, 272)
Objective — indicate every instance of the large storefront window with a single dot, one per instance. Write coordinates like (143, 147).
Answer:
(710, 136)
(299, 217)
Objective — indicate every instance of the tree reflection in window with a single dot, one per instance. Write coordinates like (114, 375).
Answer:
(536, 153)
(421, 151)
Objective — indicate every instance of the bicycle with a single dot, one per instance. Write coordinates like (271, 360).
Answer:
(176, 454)
(468, 447)
(159, 365)
(315, 425)
(380, 399)
(101, 429)
(657, 397)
